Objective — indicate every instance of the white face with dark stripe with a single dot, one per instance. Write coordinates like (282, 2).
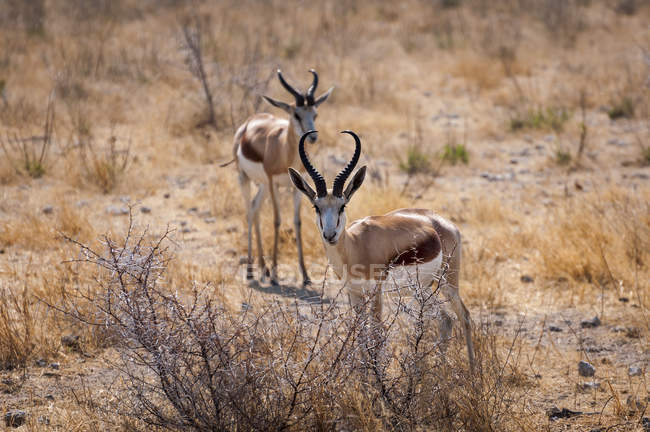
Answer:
(330, 217)
(304, 118)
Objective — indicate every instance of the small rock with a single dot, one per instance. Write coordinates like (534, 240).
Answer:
(183, 223)
(55, 365)
(623, 299)
(15, 418)
(145, 210)
(166, 195)
(49, 397)
(586, 369)
(514, 161)
(210, 220)
(186, 230)
(527, 279)
(590, 385)
(556, 413)
(555, 329)
(193, 210)
(70, 341)
(41, 362)
(617, 142)
(646, 423)
(48, 209)
(634, 371)
(117, 210)
(592, 323)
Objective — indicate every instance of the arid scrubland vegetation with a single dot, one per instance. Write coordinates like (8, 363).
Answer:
(122, 299)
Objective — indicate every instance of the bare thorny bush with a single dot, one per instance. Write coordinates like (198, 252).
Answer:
(189, 362)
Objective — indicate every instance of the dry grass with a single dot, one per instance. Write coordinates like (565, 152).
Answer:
(130, 127)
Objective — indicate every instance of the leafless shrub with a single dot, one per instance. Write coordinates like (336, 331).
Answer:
(194, 29)
(190, 363)
(104, 166)
(28, 155)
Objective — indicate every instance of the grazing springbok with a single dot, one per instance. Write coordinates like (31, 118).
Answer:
(371, 249)
(265, 147)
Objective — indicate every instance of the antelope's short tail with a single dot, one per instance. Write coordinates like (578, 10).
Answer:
(227, 163)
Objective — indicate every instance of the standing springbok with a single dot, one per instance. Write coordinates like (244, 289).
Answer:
(371, 249)
(265, 147)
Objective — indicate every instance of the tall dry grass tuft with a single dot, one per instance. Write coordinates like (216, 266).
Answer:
(599, 239)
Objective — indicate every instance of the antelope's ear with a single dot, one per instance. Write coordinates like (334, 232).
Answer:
(282, 105)
(301, 184)
(355, 183)
(322, 98)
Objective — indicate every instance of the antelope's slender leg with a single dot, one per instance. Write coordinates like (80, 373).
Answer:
(245, 185)
(451, 292)
(297, 197)
(276, 229)
(255, 210)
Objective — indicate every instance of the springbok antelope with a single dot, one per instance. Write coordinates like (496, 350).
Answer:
(265, 146)
(370, 249)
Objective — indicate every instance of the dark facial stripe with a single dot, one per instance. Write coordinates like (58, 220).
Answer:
(423, 251)
(249, 151)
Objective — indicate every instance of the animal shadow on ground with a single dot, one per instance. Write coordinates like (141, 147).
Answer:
(291, 291)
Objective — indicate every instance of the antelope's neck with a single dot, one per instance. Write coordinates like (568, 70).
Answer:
(292, 145)
(337, 255)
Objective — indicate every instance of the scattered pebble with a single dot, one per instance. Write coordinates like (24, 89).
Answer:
(623, 299)
(55, 365)
(210, 220)
(49, 397)
(166, 195)
(527, 279)
(193, 210)
(586, 369)
(634, 371)
(70, 341)
(555, 329)
(145, 210)
(41, 362)
(117, 210)
(633, 332)
(15, 418)
(48, 209)
(590, 385)
(186, 230)
(592, 323)
(556, 413)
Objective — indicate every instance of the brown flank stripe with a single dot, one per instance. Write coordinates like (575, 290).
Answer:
(249, 151)
(422, 252)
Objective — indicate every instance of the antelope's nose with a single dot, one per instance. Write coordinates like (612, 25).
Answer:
(330, 237)
(313, 137)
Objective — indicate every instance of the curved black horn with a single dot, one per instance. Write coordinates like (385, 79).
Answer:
(300, 99)
(312, 88)
(341, 178)
(319, 181)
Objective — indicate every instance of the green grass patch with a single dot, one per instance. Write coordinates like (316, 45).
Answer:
(549, 118)
(416, 161)
(455, 153)
(624, 108)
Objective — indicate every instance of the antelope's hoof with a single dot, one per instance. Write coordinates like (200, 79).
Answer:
(274, 282)
(306, 282)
